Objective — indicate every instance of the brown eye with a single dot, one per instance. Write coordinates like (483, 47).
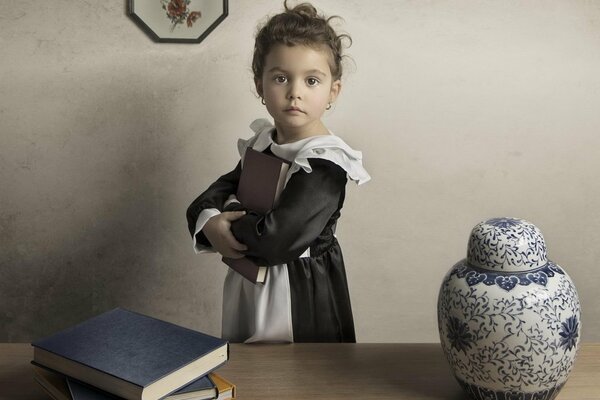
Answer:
(281, 79)
(312, 81)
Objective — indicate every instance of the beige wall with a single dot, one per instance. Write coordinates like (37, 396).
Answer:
(464, 110)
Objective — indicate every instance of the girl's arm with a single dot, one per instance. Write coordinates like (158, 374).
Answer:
(210, 203)
(217, 231)
(305, 206)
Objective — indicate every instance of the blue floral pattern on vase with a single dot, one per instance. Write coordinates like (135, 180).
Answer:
(505, 280)
(458, 334)
(480, 393)
(510, 327)
(569, 333)
(506, 244)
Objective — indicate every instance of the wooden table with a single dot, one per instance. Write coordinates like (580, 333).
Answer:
(327, 371)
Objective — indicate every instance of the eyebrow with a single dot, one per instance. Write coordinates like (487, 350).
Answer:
(312, 71)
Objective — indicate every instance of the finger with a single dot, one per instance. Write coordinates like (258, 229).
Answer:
(234, 215)
(233, 254)
(233, 243)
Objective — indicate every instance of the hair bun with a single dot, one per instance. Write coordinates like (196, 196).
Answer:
(303, 9)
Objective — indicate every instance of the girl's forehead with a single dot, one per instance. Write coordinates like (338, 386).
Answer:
(298, 57)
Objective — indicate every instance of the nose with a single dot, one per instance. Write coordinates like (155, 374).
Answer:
(295, 91)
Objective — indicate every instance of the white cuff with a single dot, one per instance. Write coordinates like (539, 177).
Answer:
(231, 199)
(203, 218)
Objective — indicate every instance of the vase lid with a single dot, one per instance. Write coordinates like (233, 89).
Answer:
(506, 244)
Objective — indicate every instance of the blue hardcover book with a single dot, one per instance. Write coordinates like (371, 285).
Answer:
(81, 391)
(131, 355)
(61, 387)
(200, 389)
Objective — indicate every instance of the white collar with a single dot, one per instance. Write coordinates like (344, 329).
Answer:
(328, 147)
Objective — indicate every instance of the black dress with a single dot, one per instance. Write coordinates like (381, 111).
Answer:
(296, 239)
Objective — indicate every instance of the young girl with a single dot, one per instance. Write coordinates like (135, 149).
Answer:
(297, 71)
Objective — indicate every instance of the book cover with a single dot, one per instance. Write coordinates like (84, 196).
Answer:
(82, 391)
(200, 389)
(131, 355)
(247, 268)
(261, 182)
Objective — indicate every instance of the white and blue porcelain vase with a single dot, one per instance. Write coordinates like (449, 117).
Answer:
(509, 319)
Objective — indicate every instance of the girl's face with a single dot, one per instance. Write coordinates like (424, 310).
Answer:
(297, 87)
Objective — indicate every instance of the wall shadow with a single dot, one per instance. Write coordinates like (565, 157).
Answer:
(92, 240)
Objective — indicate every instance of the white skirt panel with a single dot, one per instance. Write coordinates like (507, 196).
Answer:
(258, 313)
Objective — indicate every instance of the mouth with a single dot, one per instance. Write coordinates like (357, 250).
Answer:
(294, 109)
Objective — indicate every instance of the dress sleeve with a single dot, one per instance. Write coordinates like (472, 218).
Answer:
(304, 208)
(211, 202)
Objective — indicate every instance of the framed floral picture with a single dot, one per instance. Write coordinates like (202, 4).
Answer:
(178, 21)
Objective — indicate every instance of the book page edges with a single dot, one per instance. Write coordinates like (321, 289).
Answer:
(262, 274)
(187, 374)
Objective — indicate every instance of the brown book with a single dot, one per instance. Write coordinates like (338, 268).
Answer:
(53, 383)
(261, 182)
(225, 388)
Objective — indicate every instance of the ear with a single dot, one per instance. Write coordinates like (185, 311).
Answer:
(259, 88)
(336, 88)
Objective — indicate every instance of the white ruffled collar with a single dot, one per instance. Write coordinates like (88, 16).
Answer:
(328, 147)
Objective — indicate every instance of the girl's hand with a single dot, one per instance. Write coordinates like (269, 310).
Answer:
(217, 231)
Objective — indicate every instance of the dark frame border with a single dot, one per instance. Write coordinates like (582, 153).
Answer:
(156, 38)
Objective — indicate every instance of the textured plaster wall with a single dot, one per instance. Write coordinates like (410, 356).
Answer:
(464, 110)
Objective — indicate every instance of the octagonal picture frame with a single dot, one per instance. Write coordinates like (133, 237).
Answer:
(178, 21)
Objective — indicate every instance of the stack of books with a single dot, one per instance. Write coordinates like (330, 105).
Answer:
(125, 355)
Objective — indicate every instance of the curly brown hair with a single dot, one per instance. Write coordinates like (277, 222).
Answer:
(301, 25)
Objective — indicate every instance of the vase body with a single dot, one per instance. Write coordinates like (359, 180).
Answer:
(509, 319)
